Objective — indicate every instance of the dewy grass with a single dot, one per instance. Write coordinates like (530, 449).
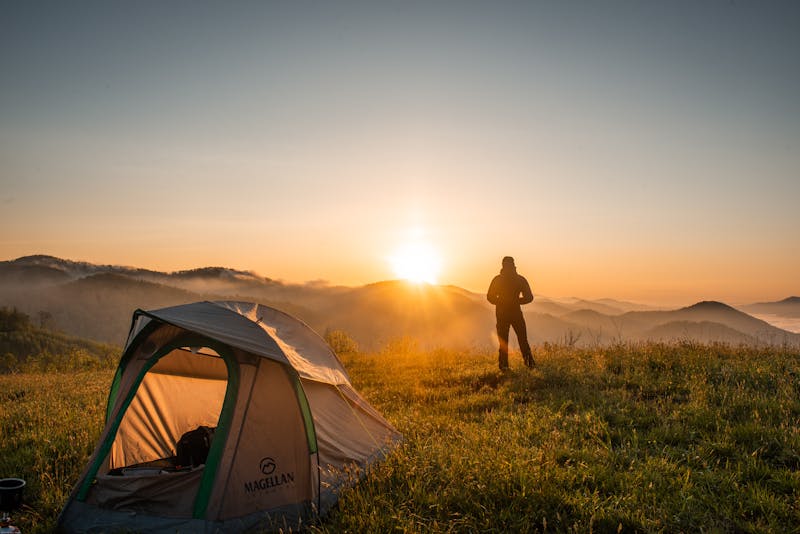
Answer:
(49, 424)
(651, 438)
(634, 438)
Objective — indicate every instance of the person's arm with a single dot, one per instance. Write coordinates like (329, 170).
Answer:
(527, 294)
(491, 295)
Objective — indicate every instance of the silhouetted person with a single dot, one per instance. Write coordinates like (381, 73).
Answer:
(508, 292)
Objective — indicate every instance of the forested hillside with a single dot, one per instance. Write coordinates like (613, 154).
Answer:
(24, 346)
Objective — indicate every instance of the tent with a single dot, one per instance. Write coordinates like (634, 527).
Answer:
(286, 430)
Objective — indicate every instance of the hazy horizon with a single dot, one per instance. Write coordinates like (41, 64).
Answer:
(794, 325)
(645, 151)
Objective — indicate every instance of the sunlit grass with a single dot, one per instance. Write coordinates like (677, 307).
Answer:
(49, 423)
(650, 438)
(653, 438)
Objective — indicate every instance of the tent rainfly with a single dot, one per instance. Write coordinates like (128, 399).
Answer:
(224, 417)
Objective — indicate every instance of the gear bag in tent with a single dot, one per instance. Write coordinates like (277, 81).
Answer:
(192, 448)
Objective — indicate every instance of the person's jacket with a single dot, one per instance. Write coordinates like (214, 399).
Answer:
(508, 291)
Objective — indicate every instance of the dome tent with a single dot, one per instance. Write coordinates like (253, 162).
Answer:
(288, 427)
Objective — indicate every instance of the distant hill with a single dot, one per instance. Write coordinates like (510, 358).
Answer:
(722, 314)
(625, 305)
(435, 315)
(561, 307)
(67, 269)
(100, 306)
(606, 328)
(97, 301)
(704, 321)
(703, 332)
(788, 307)
(548, 306)
(23, 276)
(600, 307)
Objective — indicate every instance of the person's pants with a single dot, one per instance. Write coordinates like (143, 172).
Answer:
(503, 326)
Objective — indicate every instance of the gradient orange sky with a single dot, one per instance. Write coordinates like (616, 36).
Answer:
(642, 150)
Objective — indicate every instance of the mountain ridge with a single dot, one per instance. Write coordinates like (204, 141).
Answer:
(96, 302)
(788, 307)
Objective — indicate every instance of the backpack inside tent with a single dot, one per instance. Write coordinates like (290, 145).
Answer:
(224, 416)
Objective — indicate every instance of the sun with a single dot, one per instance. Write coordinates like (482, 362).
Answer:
(416, 262)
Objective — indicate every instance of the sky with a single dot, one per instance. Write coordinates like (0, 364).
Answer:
(641, 150)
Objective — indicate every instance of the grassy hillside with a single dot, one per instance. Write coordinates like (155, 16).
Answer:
(25, 347)
(653, 438)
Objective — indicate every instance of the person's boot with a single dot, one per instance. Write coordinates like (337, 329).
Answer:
(503, 360)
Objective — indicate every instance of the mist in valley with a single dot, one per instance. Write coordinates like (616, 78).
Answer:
(97, 302)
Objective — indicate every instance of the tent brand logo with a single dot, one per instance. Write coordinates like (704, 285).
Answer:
(271, 480)
(267, 466)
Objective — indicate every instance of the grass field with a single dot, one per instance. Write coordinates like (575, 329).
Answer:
(652, 438)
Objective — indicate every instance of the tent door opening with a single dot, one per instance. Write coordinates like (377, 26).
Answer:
(166, 431)
(181, 395)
